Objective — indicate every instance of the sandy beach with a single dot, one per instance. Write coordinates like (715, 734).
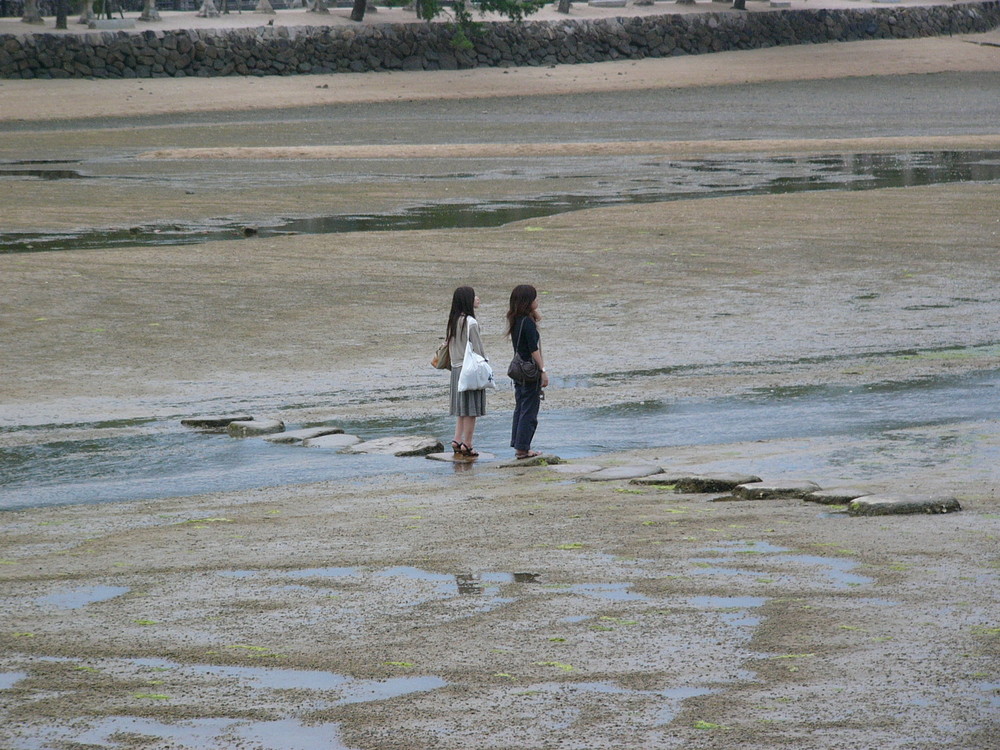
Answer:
(431, 605)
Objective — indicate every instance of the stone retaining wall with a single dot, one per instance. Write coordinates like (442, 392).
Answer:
(276, 50)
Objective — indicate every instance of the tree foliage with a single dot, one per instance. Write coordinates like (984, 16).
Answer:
(460, 12)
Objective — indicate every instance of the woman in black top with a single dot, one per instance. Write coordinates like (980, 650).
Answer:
(522, 319)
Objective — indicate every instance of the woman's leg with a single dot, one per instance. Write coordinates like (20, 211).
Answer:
(516, 420)
(465, 428)
(470, 429)
(526, 415)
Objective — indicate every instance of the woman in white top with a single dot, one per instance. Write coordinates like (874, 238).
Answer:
(465, 405)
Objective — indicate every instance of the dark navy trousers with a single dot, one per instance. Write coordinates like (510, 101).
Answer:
(527, 400)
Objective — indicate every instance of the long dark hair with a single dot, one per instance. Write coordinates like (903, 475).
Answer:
(463, 302)
(520, 305)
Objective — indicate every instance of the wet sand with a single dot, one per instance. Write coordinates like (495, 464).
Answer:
(650, 618)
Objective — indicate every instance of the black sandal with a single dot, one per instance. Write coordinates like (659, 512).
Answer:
(468, 452)
(456, 447)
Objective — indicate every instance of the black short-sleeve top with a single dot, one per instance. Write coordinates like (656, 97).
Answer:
(524, 336)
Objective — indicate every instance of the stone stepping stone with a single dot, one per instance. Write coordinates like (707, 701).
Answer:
(613, 473)
(545, 459)
(703, 483)
(607, 3)
(337, 441)
(250, 428)
(794, 488)
(576, 469)
(217, 423)
(400, 446)
(888, 505)
(836, 495)
(663, 479)
(297, 436)
(449, 457)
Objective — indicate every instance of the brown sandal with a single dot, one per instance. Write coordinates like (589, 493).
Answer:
(529, 454)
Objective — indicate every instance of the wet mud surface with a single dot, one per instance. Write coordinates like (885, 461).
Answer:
(461, 612)
(844, 336)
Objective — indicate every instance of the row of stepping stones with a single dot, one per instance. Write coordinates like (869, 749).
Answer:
(273, 431)
(742, 487)
(859, 501)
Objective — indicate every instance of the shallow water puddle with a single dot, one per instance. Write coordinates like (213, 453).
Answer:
(351, 690)
(992, 692)
(273, 679)
(836, 571)
(76, 598)
(668, 701)
(616, 592)
(410, 584)
(197, 734)
(10, 679)
(334, 572)
(664, 181)
(734, 609)
(363, 691)
(43, 174)
(236, 573)
(416, 574)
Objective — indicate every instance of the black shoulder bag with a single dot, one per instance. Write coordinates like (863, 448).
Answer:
(523, 371)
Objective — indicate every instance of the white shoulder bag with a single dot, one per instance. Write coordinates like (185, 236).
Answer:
(476, 371)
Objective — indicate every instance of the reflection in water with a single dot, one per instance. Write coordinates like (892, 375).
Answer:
(469, 584)
(43, 174)
(666, 180)
(474, 584)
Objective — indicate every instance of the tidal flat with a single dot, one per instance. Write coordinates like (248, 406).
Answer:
(846, 336)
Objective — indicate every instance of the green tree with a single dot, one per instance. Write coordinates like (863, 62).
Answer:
(460, 11)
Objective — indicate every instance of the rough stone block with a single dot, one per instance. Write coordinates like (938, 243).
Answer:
(336, 441)
(703, 483)
(576, 469)
(886, 505)
(215, 422)
(613, 473)
(789, 488)
(836, 495)
(400, 446)
(449, 457)
(545, 459)
(297, 436)
(255, 427)
(663, 479)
